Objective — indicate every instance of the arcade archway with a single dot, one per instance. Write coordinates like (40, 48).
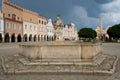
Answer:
(0, 38)
(13, 38)
(19, 38)
(35, 37)
(7, 38)
(30, 37)
(25, 38)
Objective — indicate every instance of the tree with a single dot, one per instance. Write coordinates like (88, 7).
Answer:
(114, 31)
(87, 33)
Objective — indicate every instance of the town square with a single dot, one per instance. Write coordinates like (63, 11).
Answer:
(74, 42)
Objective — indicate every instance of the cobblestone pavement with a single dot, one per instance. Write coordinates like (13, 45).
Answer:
(108, 48)
(12, 65)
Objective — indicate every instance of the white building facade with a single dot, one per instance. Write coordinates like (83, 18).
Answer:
(50, 30)
(1, 27)
(70, 32)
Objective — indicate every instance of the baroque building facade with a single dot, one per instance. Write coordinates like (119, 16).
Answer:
(64, 32)
(70, 32)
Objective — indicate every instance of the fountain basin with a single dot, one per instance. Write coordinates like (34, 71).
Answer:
(56, 51)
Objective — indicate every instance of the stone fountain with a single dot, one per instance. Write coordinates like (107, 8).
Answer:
(61, 52)
(60, 56)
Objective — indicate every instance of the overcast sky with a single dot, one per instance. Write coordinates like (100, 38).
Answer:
(84, 13)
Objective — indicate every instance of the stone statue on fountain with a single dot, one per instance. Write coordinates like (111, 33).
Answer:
(59, 29)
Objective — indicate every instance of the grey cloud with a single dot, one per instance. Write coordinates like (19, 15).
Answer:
(81, 18)
(111, 13)
(103, 1)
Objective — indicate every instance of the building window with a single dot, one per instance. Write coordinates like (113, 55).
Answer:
(25, 26)
(8, 15)
(8, 25)
(19, 27)
(42, 22)
(30, 27)
(30, 19)
(18, 18)
(14, 16)
(39, 21)
(14, 26)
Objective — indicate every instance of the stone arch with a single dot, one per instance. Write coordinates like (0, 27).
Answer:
(52, 38)
(30, 37)
(35, 37)
(7, 37)
(0, 37)
(45, 37)
(13, 37)
(19, 38)
(25, 38)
